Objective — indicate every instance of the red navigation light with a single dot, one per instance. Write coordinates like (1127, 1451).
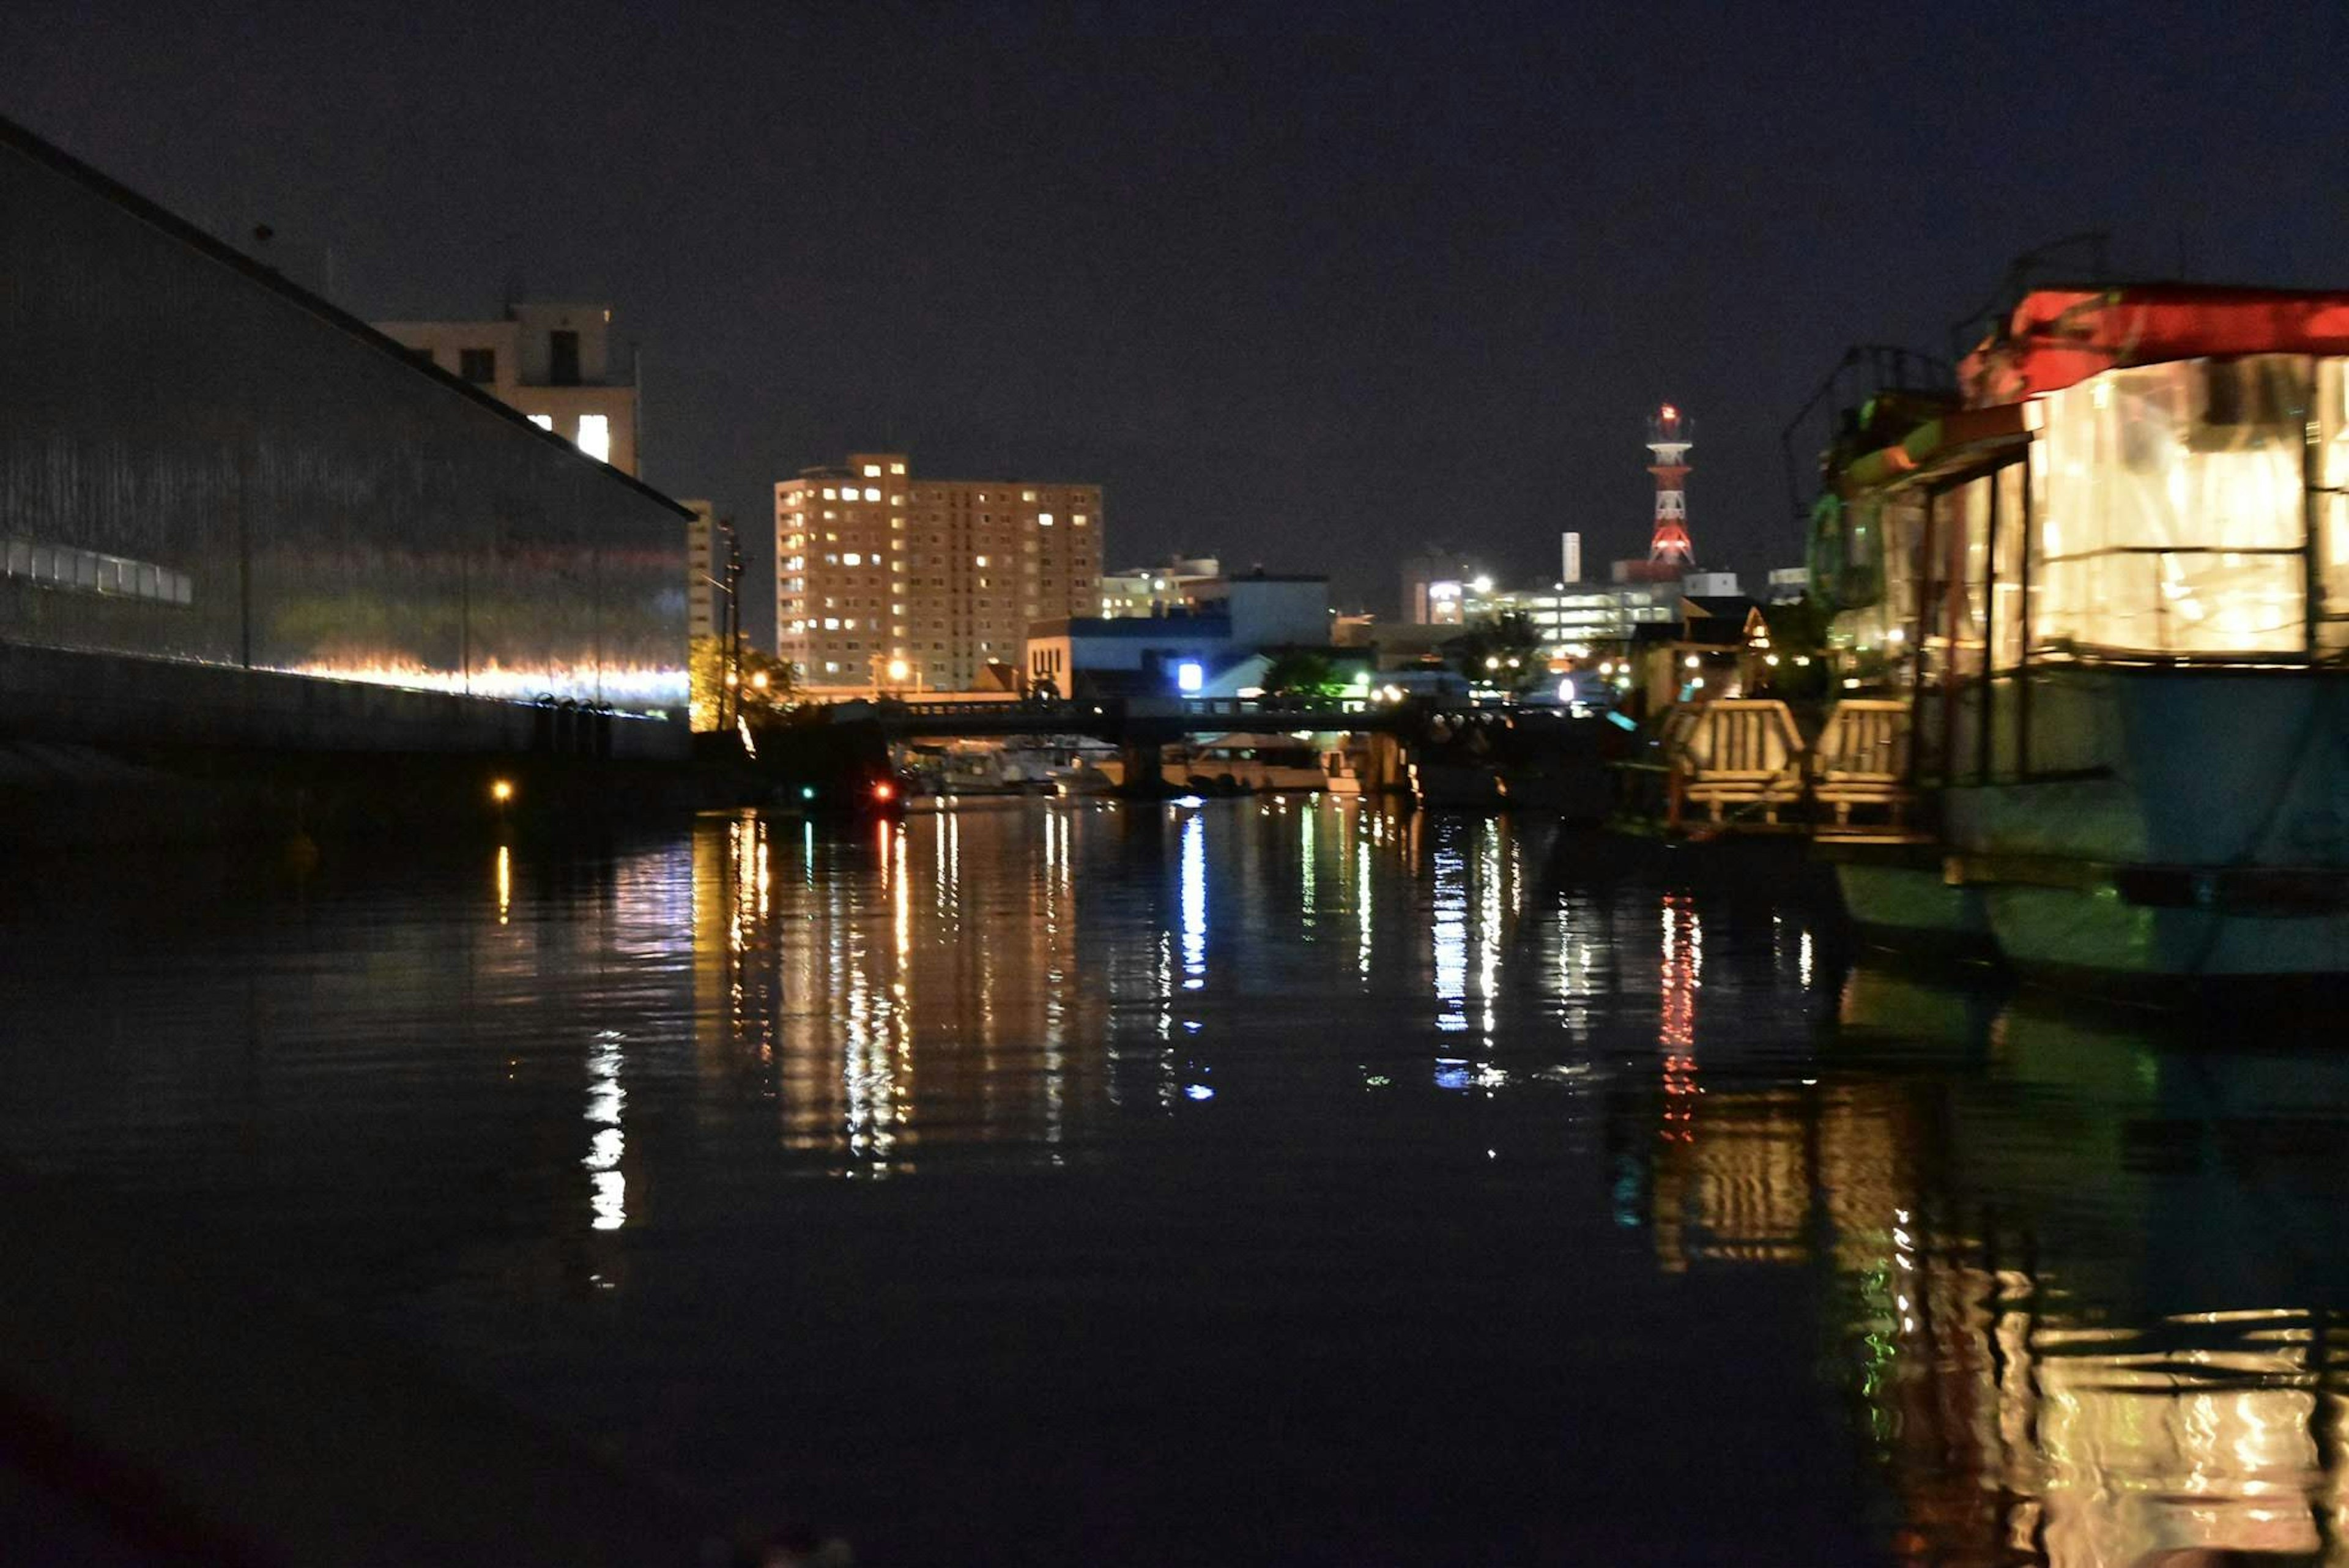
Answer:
(885, 790)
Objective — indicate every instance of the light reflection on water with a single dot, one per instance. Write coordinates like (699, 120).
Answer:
(1393, 1184)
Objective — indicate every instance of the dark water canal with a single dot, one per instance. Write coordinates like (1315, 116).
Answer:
(1240, 1183)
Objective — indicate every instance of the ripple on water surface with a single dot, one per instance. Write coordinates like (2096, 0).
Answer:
(1253, 1181)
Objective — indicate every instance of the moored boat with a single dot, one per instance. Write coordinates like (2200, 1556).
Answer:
(2099, 593)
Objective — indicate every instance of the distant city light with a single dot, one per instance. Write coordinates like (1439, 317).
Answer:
(1189, 676)
(1565, 689)
(1483, 585)
(502, 791)
(899, 670)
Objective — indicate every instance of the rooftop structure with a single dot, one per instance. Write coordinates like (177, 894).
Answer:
(551, 361)
(1154, 590)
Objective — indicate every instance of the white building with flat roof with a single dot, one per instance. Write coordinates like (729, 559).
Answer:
(551, 361)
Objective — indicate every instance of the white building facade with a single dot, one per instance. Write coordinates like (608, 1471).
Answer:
(551, 361)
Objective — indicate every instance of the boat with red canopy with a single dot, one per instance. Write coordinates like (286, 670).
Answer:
(2096, 602)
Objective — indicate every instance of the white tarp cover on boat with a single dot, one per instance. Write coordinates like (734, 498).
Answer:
(2172, 509)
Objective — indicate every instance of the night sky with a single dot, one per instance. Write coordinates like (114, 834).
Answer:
(1310, 293)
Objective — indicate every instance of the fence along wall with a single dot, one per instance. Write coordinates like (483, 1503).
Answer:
(198, 462)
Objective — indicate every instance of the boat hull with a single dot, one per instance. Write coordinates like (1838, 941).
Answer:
(1913, 909)
(2188, 828)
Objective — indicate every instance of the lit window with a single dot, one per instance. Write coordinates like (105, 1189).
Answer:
(1079, 519)
(596, 437)
(852, 559)
(832, 623)
(897, 468)
(1027, 495)
(978, 560)
(872, 470)
(544, 421)
(871, 493)
(831, 494)
(1044, 519)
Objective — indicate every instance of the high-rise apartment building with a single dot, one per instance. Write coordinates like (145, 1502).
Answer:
(887, 579)
(553, 362)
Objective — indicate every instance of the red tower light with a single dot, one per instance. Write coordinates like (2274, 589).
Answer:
(1669, 439)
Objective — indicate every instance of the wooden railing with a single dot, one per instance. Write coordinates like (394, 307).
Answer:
(1744, 763)
(1862, 759)
(1738, 752)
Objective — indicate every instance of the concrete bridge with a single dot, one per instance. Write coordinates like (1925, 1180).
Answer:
(1120, 721)
(1140, 726)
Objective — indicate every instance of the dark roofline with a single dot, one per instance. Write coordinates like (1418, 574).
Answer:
(1174, 626)
(2182, 288)
(19, 139)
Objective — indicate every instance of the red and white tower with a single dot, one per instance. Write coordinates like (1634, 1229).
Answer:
(1670, 436)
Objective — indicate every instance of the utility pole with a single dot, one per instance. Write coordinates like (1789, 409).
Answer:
(730, 702)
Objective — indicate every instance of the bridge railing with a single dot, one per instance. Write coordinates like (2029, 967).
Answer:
(1343, 712)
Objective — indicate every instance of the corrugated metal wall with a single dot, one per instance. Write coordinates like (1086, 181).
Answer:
(195, 464)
